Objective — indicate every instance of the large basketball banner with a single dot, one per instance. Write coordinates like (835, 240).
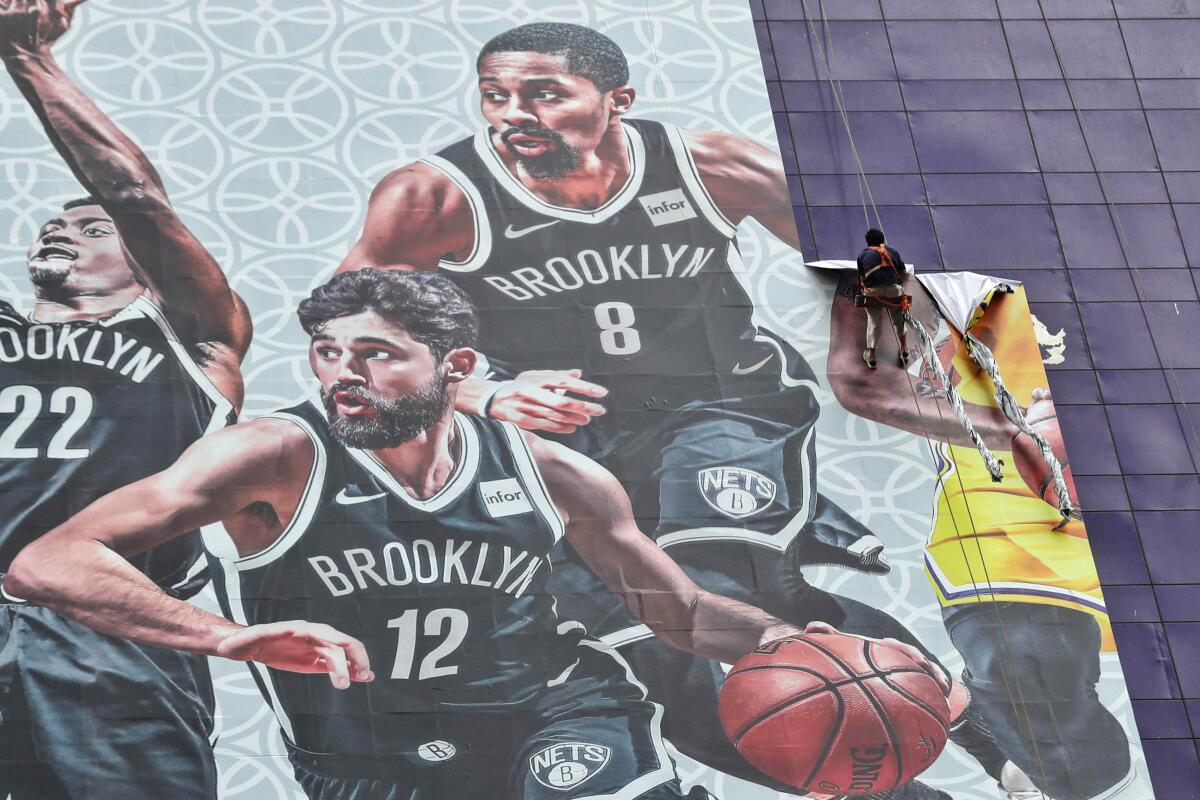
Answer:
(413, 400)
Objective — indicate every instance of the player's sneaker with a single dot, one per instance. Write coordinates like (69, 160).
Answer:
(1017, 784)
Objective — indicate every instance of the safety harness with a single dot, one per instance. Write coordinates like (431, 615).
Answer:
(862, 299)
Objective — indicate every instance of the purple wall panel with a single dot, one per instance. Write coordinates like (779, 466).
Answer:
(1074, 387)
(882, 139)
(966, 234)
(1133, 386)
(1175, 765)
(1004, 188)
(966, 49)
(976, 151)
(1090, 48)
(1146, 661)
(1163, 48)
(1178, 603)
(1163, 492)
(973, 141)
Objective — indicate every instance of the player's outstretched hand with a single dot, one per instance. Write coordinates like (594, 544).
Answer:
(915, 654)
(298, 646)
(1041, 407)
(541, 400)
(30, 25)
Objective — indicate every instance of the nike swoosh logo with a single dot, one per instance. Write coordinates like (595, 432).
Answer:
(516, 233)
(738, 369)
(351, 499)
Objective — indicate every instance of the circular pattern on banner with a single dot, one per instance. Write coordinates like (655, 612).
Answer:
(142, 61)
(288, 203)
(269, 29)
(278, 108)
(400, 60)
(477, 21)
(188, 155)
(388, 139)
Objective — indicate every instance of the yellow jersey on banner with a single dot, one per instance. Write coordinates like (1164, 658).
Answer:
(996, 541)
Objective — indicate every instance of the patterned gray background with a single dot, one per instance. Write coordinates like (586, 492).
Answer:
(270, 121)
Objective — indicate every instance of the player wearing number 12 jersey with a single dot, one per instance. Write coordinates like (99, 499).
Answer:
(425, 533)
(130, 354)
(601, 253)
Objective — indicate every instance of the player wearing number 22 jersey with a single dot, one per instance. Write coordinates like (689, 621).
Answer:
(425, 533)
(130, 353)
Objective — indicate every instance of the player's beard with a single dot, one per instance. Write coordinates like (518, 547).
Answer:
(395, 421)
(45, 277)
(558, 161)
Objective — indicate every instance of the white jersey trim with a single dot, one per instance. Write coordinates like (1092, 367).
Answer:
(233, 590)
(218, 541)
(627, 636)
(779, 540)
(695, 184)
(222, 407)
(635, 147)
(665, 771)
(481, 250)
(464, 471)
(531, 476)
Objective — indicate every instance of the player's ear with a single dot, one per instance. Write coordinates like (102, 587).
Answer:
(622, 99)
(459, 364)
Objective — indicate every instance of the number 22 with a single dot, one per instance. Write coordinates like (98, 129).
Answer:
(25, 403)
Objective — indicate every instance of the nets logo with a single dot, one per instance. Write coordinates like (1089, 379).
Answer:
(564, 766)
(736, 492)
(437, 750)
(663, 208)
(504, 498)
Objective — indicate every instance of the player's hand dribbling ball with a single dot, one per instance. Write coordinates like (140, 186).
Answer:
(834, 714)
(1027, 456)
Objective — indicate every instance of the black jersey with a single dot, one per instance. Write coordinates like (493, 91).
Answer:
(89, 407)
(642, 294)
(447, 594)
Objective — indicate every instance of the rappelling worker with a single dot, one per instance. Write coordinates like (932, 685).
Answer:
(881, 274)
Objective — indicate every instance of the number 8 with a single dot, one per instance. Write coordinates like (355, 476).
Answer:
(618, 337)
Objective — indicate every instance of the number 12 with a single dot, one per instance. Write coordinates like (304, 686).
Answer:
(435, 621)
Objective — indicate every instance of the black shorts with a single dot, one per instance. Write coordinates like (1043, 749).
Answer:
(590, 734)
(83, 715)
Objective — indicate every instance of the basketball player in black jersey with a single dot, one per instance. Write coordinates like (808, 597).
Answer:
(130, 354)
(601, 253)
(426, 533)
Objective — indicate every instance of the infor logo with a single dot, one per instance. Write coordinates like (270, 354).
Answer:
(666, 207)
(504, 498)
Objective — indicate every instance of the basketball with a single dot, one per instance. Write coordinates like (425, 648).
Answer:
(1027, 456)
(834, 714)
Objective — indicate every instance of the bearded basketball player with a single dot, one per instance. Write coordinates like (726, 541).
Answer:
(600, 250)
(131, 353)
(426, 534)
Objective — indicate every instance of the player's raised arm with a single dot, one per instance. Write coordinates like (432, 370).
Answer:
(79, 569)
(892, 395)
(745, 179)
(166, 257)
(416, 216)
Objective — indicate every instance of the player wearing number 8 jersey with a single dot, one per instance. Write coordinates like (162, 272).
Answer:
(601, 253)
(425, 533)
(130, 354)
